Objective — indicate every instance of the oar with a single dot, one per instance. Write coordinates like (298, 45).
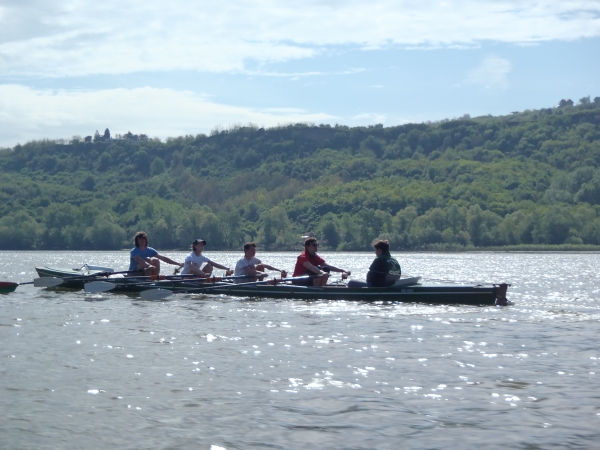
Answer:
(153, 292)
(55, 281)
(273, 281)
(217, 279)
(105, 286)
(39, 282)
(9, 286)
(47, 282)
(99, 286)
(159, 294)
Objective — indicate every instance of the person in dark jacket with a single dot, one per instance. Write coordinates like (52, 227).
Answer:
(384, 271)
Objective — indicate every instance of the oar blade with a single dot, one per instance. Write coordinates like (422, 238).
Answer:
(47, 282)
(155, 294)
(98, 286)
(7, 286)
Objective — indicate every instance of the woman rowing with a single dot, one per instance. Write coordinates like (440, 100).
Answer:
(197, 264)
(145, 260)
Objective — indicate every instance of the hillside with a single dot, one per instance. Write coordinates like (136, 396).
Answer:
(523, 179)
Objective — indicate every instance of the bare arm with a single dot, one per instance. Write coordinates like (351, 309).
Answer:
(219, 266)
(251, 271)
(168, 260)
(266, 266)
(141, 261)
(313, 269)
(335, 269)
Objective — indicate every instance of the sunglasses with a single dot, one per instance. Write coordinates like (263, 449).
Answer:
(315, 245)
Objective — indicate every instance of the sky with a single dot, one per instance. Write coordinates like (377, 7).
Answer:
(166, 69)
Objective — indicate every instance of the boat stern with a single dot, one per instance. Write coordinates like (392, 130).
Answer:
(501, 299)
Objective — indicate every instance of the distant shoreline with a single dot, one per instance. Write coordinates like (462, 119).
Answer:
(519, 248)
(430, 249)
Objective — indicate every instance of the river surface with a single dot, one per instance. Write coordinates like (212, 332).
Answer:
(87, 371)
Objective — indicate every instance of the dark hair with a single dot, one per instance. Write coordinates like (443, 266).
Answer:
(383, 245)
(197, 241)
(309, 241)
(247, 246)
(138, 235)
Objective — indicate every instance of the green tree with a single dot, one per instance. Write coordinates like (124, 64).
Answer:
(19, 232)
(105, 161)
(276, 231)
(330, 234)
(233, 231)
(57, 219)
(475, 223)
(141, 163)
(157, 167)
(553, 226)
(89, 183)
(105, 234)
(200, 222)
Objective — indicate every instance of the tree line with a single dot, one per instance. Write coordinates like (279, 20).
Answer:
(527, 178)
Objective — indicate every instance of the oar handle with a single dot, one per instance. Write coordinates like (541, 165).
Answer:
(253, 283)
(284, 279)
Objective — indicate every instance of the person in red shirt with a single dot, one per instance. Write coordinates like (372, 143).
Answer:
(309, 263)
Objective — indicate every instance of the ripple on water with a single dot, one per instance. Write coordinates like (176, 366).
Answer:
(226, 372)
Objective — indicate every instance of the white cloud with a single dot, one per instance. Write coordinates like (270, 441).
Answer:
(79, 37)
(492, 73)
(27, 114)
(297, 75)
(369, 118)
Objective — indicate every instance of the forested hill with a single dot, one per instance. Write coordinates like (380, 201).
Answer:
(526, 178)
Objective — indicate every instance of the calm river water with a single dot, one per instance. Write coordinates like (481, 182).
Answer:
(207, 372)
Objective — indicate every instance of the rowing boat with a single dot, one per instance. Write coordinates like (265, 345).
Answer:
(439, 294)
(406, 290)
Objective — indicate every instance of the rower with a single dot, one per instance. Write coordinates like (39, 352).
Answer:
(145, 260)
(309, 263)
(198, 264)
(384, 271)
(251, 267)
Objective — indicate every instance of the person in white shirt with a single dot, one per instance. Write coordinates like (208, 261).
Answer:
(198, 264)
(251, 267)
